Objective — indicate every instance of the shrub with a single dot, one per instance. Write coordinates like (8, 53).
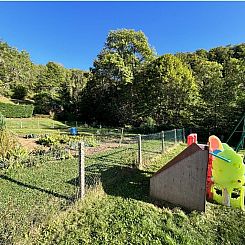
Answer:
(148, 126)
(51, 140)
(19, 92)
(16, 111)
(54, 140)
(8, 142)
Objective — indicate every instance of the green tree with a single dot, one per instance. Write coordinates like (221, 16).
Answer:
(71, 92)
(111, 88)
(210, 81)
(16, 69)
(168, 92)
(50, 80)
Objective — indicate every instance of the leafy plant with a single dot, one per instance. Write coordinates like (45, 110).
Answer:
(60, 152)
(51, 140)
(8, 142)
(2, 122)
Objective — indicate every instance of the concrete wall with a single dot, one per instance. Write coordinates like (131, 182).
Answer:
(183, 180)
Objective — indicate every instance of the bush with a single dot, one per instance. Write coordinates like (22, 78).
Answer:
(54, 140)
(8, 142)
(19, 92)
(148, 126)
(16, 111)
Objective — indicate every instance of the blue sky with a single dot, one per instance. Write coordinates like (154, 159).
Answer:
(73, 33)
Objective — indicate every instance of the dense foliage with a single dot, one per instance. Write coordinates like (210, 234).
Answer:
(129, 84)
(16, 111)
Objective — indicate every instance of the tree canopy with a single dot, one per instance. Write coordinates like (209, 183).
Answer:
(130, 84)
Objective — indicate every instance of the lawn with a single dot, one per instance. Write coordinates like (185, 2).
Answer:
(38, 206)
(37, 125)
(34, 125)
(31, 195)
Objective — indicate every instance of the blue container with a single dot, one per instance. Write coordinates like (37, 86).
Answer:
(73, 131)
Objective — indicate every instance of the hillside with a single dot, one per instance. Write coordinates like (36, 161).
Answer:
(117, 208)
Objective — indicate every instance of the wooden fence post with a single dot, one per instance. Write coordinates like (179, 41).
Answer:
(175, 136)
(81, 173)
(163, 141)
(21, 126)
(139, 151)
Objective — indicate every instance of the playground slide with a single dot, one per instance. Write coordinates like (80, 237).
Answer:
(214, 171)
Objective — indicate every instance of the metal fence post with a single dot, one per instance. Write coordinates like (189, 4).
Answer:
(183, 135)
(81, 174)
(175, 136)
(163, 141)
(139, 151)
(121, 138)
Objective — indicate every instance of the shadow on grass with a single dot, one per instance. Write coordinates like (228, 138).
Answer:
(123, 181)
(105, 156)
(113, 158)
(126, 182)
(4, 177)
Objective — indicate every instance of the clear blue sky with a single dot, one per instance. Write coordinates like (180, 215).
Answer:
(73, 33)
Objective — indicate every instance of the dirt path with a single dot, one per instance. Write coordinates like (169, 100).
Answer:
(30, 144)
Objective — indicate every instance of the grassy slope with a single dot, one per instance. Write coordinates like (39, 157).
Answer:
(35, 125)
(30, 195)
(121, 212)
(5, 100)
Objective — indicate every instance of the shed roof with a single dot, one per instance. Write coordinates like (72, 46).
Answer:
(184, 154)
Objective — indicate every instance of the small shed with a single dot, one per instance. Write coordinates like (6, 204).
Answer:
(182, 181)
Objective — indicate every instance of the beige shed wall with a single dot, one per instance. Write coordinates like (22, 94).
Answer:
(183, 183)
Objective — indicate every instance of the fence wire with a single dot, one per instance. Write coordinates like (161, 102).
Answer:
(114, 150)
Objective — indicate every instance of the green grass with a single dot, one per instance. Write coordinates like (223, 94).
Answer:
(38, 209)
(103, 219)
(36, 125)
(31, 195)
(5, 100)
(121, 212)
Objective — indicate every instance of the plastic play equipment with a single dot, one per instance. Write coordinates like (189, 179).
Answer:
(191, 138)
(216, 166)
(227, 173)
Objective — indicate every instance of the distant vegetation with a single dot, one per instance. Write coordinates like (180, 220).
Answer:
(16, 111)
(129, 84)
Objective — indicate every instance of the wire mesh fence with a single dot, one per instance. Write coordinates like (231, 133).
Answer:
(127, 150)
(111, 151)
(147, 147)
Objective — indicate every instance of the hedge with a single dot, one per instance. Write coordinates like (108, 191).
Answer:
(16, 111)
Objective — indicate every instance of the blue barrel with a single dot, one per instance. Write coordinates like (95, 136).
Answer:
(73, 131)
